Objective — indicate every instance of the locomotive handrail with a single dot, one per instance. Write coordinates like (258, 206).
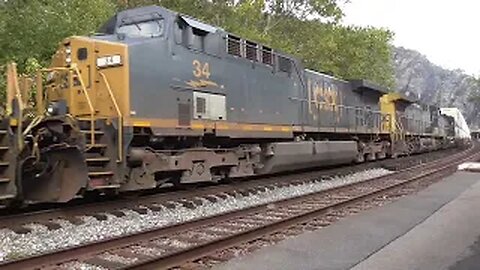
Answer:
(380, 116)
(70, 70)
(301, 77)
(39, 95)
(13, 86)
(338, 105)
(120, 117)
(89, 101)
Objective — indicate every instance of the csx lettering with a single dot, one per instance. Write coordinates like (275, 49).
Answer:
(323, 97)
(200, 70)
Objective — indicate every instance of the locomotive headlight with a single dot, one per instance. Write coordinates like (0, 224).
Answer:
(52, 108)
(57, 108)
(50, 76)
(109, 61)
(68, 55)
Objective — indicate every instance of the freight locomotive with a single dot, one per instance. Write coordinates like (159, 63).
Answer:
(159, 97)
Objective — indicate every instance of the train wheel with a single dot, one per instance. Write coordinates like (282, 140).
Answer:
(360, 158)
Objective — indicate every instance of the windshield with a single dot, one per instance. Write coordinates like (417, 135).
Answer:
(152, 28)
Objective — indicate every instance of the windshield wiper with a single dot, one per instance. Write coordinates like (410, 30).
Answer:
(138, 26)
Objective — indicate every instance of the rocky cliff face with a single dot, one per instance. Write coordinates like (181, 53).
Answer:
(417, 77)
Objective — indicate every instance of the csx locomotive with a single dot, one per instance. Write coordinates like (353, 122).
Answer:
(158, 97)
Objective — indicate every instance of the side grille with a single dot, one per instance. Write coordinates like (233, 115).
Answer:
(201, 105)
(233, 45)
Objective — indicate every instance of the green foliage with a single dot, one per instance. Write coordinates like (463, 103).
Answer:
(365, 53)
(301, 9)
(309, 29)
(33, 29)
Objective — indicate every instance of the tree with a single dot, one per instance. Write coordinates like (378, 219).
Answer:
(32, 29)
(302, 9)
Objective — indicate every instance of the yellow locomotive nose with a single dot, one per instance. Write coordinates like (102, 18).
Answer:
(99, 75)
(84, 94)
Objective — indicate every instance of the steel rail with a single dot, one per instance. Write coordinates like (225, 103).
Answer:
(429, 169)
(16, 221)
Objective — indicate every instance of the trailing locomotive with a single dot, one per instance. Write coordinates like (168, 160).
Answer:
(159, 97)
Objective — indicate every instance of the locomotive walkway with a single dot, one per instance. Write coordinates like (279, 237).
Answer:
(438, 228)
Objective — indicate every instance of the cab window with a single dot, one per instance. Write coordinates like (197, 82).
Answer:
(152, 28)
(197, 36)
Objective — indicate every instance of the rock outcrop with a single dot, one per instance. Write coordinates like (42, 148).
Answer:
(417, 77)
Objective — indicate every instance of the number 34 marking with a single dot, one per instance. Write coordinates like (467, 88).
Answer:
(200, 70)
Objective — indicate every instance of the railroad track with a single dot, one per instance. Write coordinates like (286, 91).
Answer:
(16, 221)
(174, 245)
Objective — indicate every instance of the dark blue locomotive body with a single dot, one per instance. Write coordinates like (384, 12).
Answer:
(231, 79)
(188, 78)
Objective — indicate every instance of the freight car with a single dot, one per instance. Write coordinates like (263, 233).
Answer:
(159, 97)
